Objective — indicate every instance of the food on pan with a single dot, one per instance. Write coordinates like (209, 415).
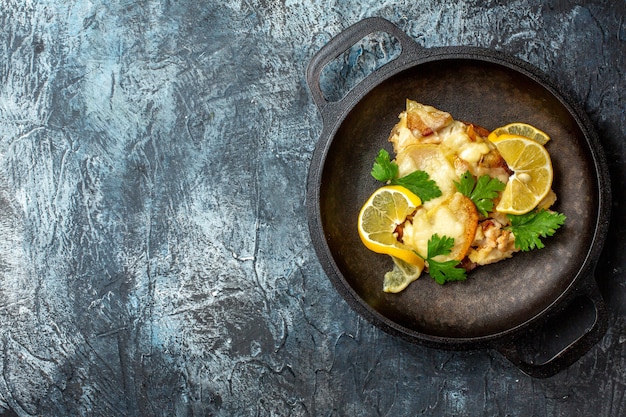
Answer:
(457, 196)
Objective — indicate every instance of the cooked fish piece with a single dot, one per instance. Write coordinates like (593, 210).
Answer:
(492, 243)
(419, 123)
(425, 120)
(464, 145)
(430, 158)
(455, 217)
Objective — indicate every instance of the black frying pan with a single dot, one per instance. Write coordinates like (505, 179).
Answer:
(542, 309)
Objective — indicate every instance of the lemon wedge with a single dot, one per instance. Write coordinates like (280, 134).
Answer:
(380, 218)
(520, 129)
(532, 173)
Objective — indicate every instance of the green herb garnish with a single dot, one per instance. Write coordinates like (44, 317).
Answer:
(446, 271)
(481, 192)
(418, 182)
(384, 169)
(530, 227)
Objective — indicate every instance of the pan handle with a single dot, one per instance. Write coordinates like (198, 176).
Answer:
(344, 41)
(562, 346)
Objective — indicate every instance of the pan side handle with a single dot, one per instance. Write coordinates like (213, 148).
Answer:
(344, 41)
(563, 339)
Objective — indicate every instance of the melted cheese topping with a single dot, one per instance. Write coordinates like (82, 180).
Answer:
(431, 159)
(460, 144)
(455, 217)
(440, 220)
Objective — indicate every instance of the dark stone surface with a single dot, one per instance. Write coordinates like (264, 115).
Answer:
(154, 253)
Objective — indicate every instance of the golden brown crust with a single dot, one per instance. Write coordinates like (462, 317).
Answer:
(475, 130)
(425, 120)
(468, 214)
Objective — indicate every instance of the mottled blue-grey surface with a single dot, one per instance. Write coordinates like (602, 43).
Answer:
(154, 253)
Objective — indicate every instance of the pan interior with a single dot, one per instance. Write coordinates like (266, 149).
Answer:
(497, 297)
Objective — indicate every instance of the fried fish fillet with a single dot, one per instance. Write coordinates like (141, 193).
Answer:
(454, 217)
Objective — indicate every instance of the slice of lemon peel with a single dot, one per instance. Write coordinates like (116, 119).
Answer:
(520, 129)
(401, 275)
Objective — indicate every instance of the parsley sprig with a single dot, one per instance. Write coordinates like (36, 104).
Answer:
(530, 227)
(442, 271)
(418, 182)
(481, 192)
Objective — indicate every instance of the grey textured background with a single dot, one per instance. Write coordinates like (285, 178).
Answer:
(154, 253)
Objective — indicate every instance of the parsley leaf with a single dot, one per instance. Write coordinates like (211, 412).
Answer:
(445, 271)
(466, 185)
(439, 245)
(528, 228)
(418, 182)
(384, 170)
(482, 192)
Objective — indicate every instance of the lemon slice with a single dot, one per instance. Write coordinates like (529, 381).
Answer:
(401, 275)
(520, 129)
(532, 173)
(379, 218)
